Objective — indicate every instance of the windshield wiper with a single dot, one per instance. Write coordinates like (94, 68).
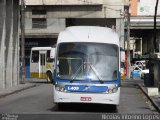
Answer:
(76, 73)
(94, 70)
(96, 73)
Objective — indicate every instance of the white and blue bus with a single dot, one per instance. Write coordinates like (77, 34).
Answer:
(87, 66)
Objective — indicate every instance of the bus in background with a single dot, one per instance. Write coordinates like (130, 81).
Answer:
(41, 63)
(87, 66)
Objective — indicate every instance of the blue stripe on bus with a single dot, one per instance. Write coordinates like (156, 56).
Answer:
(84, 88)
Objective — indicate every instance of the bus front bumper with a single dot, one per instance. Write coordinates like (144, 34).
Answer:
(75, 97)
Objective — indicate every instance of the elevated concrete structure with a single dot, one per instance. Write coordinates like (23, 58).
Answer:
(144, 22)
(9, 43)
(143, 28)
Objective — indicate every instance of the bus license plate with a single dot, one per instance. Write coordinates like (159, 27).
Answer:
(86, 99)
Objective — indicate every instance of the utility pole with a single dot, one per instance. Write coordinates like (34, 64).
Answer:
(155, 29)
(22, 43)
(154, 61)
(127, 14)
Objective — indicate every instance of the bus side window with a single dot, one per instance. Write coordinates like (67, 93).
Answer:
(35, 56)
(48, 59)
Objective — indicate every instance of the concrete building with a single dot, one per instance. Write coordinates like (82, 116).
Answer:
(142, 24)
(46, 18)
(9, 43)
(142, 29)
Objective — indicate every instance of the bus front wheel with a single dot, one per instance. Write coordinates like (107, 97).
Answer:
(49, 77)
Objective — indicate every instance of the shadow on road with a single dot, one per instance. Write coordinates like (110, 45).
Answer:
(75, 107)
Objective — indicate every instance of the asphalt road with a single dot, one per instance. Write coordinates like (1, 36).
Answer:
(37, 103)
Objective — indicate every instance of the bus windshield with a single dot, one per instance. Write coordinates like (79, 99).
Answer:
(87, 61)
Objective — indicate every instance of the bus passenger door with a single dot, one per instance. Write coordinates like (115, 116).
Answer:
(42, 65)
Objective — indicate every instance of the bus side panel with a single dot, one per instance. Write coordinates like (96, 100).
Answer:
(34, 70)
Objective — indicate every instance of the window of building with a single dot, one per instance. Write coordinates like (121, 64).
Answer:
(39, 23)
(39, 12)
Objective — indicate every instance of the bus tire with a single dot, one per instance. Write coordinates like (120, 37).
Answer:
(60, 106)
(49, 77)
(115, 109)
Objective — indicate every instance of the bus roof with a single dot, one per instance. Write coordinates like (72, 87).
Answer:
(41, 48)
(88, 34)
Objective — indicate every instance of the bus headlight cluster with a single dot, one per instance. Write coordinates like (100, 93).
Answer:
(112, 90)
(62, 89)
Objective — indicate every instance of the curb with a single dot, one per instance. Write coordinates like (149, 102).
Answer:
(151, 100)
(17, 91)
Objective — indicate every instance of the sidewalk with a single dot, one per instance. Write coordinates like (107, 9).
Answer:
(18, 88)
(155, 100)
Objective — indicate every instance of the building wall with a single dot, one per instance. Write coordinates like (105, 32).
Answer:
(9, 43)
(142, 20)
(56, 15)
(133, 7)
(63, 2)
(143, 7)
(82, 8)
(54, 26)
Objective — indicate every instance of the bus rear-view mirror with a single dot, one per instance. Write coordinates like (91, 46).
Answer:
(52, 53)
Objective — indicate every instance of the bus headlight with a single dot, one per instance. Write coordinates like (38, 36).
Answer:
(112, 90)
(62, 89)
(57, 88)
(115, 89)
